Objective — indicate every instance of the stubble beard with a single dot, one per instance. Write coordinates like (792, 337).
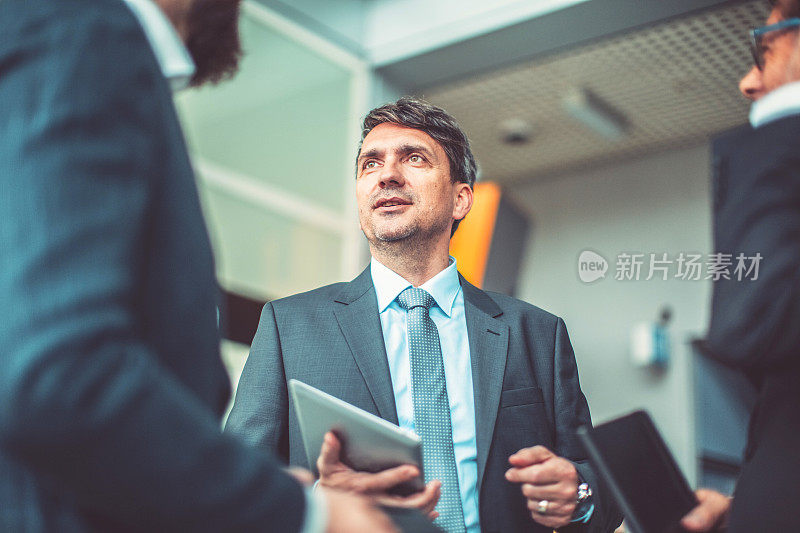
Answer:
(384, 230)
(410, 242)
(390, 235)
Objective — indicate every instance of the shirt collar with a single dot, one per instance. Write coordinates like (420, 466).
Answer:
(780, 103)
(173, 57)
(443, 287)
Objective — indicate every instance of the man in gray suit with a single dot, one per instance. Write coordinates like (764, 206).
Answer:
(489, 382)
(111, 384)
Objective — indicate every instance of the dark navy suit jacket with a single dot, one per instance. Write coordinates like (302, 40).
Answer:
(524, 375)
(755, 324)
(111, 383)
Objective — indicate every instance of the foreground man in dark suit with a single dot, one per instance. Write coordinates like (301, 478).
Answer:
(755, 325)
(409, 334)
(111, 383)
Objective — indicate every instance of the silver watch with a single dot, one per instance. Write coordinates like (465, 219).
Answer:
(584, 492)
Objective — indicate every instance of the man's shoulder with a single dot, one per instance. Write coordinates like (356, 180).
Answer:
(515, 307)
(784, 130)
(314, 297)
(25, 16)
(81, 44)
(781, 132)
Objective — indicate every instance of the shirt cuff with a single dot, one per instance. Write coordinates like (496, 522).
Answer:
(315, 519)
(585, 517)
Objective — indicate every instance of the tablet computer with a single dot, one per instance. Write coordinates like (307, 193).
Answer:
(369, 443)
(635, 464)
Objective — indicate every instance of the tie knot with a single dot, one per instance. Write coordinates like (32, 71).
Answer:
(415, 297)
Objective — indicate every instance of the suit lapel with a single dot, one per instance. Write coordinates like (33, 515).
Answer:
(361, 326)
(488, 345)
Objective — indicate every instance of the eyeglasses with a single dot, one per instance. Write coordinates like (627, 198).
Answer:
(758, 33)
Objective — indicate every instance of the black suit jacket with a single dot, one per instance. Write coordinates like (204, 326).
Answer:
(755, 325)
(524, 375)
(111, 383)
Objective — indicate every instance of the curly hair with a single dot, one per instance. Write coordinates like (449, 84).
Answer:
(442, 127)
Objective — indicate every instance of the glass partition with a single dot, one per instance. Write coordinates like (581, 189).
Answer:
(274, 150)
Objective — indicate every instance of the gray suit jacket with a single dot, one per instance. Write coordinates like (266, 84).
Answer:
(525, 384)
(111, 383)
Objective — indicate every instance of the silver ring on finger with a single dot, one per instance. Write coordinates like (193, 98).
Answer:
(542, 507)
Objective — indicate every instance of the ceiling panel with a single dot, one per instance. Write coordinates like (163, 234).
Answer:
(676, 83)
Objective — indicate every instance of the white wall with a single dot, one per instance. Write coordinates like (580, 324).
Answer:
(341, 21)
(385, 31)
(279, 227)
(657, 204)
(398, 29)
(278, 195)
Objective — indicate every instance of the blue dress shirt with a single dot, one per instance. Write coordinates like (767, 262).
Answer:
(448, 315)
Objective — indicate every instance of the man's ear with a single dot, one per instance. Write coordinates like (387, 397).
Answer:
(464, 199)
(793, 66)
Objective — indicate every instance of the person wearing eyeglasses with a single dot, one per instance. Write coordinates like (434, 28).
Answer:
(776, 63)
(755, 325)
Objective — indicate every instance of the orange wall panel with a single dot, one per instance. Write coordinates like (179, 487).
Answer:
(472, 241)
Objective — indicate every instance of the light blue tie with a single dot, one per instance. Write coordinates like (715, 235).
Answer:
(431, 406)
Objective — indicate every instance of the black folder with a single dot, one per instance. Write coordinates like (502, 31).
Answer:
(636, 466)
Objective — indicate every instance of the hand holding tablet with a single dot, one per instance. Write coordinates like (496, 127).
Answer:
(335, 474)
(353, 450)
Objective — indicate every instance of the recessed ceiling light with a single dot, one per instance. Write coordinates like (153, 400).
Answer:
(516, 131)
(589, 109)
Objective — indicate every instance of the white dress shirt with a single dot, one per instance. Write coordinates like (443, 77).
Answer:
(178, 68)
(173, 57)
(778, 104)
(448, 315)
